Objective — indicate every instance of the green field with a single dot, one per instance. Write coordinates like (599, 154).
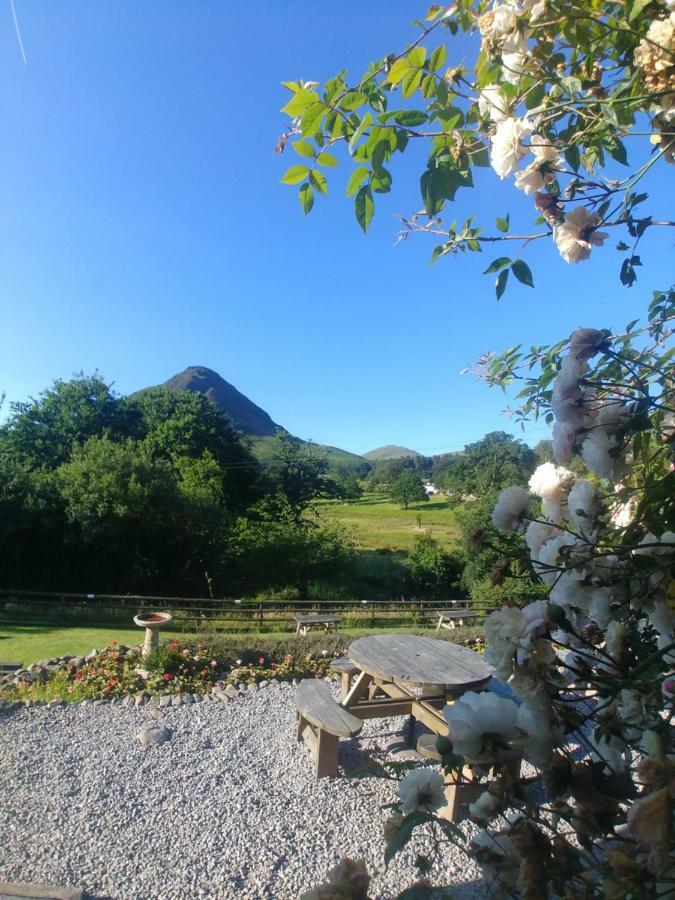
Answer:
(376, 523)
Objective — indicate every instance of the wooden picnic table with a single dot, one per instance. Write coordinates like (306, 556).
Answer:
(450, 618)
(392, 667)
(304, 623)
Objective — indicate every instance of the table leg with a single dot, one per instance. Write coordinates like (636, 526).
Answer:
(410, 731)
(358, 690)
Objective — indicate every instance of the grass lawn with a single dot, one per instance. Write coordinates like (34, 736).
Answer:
(375, 522)
(27, 643)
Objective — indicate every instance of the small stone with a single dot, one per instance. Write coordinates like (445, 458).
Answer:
(222, 697)
(55, 703)
(88, 703)
(78, 661)
(263, 684)
(187, 698)
(197, 698)
(92, 655)
(153, 734)
(165, 700)
(176, 700)
(231, 692)
(140, 699)
(154, 701)
(128, 701)
(100, 702)
(253, 688)
(274, 681)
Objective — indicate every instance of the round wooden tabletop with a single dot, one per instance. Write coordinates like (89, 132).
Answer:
(419, 661)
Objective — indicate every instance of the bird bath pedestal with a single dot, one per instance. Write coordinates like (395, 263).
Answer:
(152, 622)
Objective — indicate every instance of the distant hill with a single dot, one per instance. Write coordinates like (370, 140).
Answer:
(246, 416)
(391, 451)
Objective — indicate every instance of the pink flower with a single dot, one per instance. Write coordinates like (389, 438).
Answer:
(213, 664)
(167, 677)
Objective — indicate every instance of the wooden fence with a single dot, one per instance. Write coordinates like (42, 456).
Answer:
(206, 614)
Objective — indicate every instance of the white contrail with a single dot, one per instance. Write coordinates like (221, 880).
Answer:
(18, 33)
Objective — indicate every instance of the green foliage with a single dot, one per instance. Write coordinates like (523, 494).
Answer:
(431, 570)
(297, 474)
(274, 546)
(585, 79)
(486, 466)
(512, 592)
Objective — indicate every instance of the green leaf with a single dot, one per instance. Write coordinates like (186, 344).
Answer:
(627, 273)
(364, 207)
(295, 174)
(411, 82)
(417, 56)
(404, 834)
(352, 100)
(306, 198)
(497, 264)
(502, 224)
(318, 181)
(303, 148)
(299, 102)
(398, 70)
(381, 181)
(572, 156)
(438, 57)
(522, 272)
(637, 8)
(311, 118)
(356, 179)
(326, 159)
(363, 124)
(410, 117)
(535, 95)
(500, 283)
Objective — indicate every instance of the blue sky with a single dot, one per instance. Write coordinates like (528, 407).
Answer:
(143, 228)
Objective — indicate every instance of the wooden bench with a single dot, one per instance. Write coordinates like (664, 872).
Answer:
(451, 618)
(321, 721)
(304, 623)
(346, 669)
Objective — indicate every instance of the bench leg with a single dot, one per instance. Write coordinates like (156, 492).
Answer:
(326, 755)
(345, 684)
(440, 622)
(301, 727)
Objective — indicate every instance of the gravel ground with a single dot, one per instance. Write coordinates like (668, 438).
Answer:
(228, 808)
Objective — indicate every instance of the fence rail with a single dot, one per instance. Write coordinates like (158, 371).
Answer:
(212, 614)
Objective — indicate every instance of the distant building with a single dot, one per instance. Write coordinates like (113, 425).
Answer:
(430, 488)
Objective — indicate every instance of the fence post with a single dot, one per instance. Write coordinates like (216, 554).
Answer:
(260, 614)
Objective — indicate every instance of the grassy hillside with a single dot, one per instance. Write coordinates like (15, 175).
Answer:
(377, 523)
(263, 448)
(391, 451)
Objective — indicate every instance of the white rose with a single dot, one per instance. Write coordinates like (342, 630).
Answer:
(421, 789)
(484, 809)
(491, 103)
(507, 145)
(542, 171)
(582, 506)
(577, 236)
(512, 504)
(475, 718)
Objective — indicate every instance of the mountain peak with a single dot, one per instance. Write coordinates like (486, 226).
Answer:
(245, 415)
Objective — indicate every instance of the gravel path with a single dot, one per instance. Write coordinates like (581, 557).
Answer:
(228, 808)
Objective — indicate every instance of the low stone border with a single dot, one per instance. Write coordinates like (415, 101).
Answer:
(219, 693)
